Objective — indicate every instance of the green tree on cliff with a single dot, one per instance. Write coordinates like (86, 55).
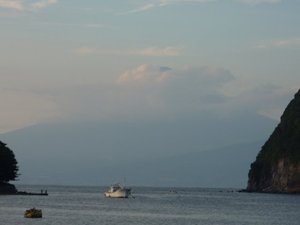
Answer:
(8, 164)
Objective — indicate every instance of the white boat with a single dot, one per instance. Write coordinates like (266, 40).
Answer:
(117, 191)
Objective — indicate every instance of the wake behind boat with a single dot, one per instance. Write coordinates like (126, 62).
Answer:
(117, 191)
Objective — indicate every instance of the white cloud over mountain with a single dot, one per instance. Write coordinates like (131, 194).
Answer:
(145, 92)
(202, 77)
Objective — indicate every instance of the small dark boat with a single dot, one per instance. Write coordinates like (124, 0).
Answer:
(33, 213)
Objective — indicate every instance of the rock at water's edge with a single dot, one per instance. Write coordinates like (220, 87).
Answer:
(6, 188)
(277, 166)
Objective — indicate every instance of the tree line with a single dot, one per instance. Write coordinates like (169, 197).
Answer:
(8, 164)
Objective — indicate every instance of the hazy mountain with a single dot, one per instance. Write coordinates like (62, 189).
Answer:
(176, 152)
(224, 167)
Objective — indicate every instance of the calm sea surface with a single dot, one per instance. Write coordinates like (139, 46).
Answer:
(87, 205)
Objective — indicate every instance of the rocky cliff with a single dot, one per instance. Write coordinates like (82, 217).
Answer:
(277, 166)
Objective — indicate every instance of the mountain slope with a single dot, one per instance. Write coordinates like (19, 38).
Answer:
(222, 167)
(101, 153)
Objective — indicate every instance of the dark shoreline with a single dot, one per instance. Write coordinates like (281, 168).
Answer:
(270, 192)
(25, 193)
(10, 189)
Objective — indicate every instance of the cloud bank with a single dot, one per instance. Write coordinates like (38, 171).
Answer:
(12, 4)
(163, 3)
(279, 43)
(143, 93)
(20, 5)
(149, 92)
(43, 4)
(153, 91)
(260, 1)
(169, 51)
(84, 51)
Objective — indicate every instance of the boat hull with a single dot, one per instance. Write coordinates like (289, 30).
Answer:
(118, 194)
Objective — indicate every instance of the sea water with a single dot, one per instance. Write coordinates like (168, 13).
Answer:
(157, 206)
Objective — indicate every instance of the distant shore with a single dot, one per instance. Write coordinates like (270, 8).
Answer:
(270, 192)
(25, 193)
(10, 189)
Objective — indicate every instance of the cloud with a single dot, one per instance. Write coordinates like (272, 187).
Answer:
(174, 91)
(84, 51)
(253, 2)
(145, 73)
(43, 4)
(155, 51)
(280, 43)
(144, 93)
(21, 5)
(12, 4)
(203, 76)
(163, 3)
(94, 25)
(267, 100)
(151, 51)
(191, 90)
(170, 2)
(140, 9)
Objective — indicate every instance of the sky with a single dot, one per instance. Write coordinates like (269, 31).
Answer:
(139, 60)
